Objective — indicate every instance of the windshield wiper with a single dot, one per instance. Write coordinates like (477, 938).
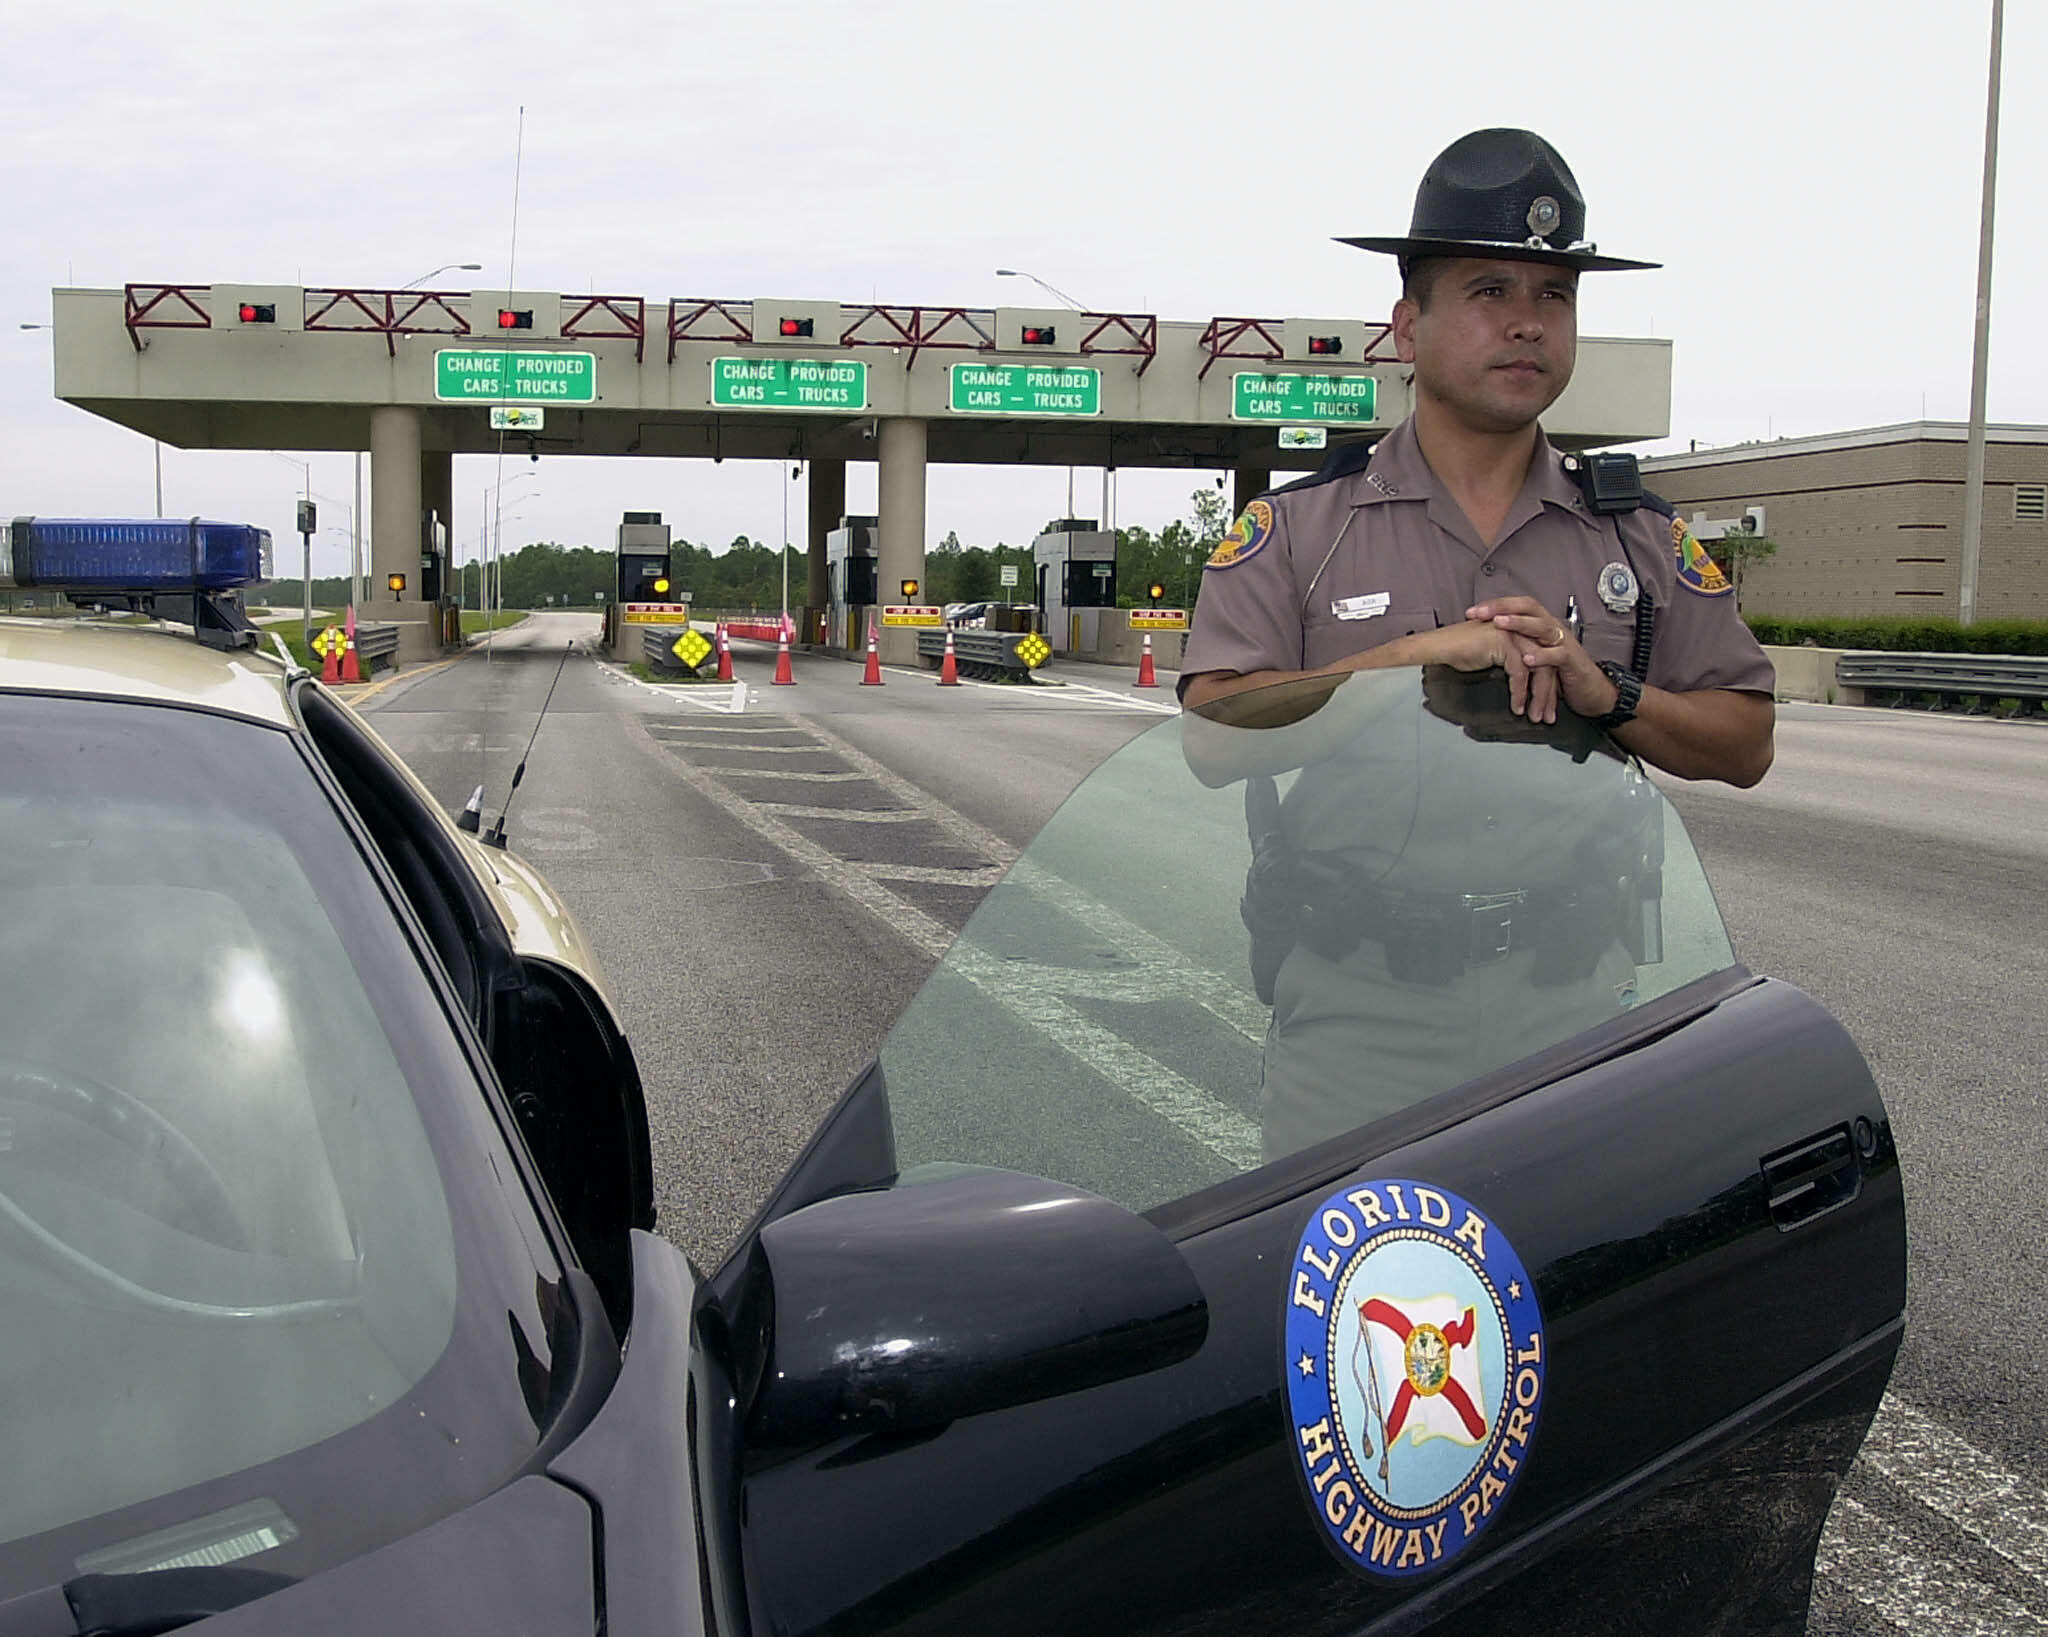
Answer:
(159, 1600)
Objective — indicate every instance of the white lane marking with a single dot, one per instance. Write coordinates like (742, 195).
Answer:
(1962, 1483)
(971, 875)
(1146, 1081)
(1233, 1003)
(682, 736)
(1151, 1084)
(853, 815)
(1868, 1560)
(785, 773)
(728, 701)
(912, 924)
(1158, 707)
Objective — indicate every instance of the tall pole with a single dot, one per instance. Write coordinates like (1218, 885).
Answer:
(157, 445)
(355, 539)
(1973, 480)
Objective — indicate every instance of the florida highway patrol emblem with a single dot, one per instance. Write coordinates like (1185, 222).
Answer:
(1415, 1373)
(1696, 570)
(1246, 539)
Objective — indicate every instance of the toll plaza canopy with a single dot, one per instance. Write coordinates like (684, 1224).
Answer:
(415, 377)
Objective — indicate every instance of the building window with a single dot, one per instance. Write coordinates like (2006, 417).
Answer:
(2030, 502)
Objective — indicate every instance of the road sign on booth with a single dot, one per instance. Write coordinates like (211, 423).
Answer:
(789, 383)
(654, 613)
(1330, 399)
(514, 375)
(1025, 389)
(1159, 619)
(517, 418)
(912, 614)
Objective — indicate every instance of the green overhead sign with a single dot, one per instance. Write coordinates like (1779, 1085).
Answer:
(1345, 399)
(789, 383)
(508, 375)
(1026, 389)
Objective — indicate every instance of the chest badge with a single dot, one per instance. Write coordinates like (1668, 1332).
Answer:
(1618, 588)
(1414, 1358)
(1368, 607)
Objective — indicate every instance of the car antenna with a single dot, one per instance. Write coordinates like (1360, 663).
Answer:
(495, 835)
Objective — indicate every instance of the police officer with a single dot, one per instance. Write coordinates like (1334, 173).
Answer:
(1464, 538)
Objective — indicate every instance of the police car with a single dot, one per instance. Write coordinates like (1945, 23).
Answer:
(1382, 1204)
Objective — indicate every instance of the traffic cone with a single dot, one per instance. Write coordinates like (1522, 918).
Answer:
(872, 676)
(351, 667)
(724, 654)
(330, 661)
(784, 676)
(949, 667)
(1146, 678)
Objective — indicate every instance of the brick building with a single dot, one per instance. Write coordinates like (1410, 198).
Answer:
(1871, 522)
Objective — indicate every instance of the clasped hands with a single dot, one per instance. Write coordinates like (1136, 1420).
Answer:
(1543, 660)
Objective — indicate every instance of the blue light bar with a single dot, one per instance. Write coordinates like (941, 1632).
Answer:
(84, 555)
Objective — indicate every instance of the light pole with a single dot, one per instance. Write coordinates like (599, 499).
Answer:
(1980, 355)
(1060, 295)
(445, 267)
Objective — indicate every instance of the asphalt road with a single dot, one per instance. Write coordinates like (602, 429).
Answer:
(761, 941)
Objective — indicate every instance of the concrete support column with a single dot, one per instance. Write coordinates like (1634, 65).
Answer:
(395, 528)
(901, 543)
(827, 491)
(1247, 483)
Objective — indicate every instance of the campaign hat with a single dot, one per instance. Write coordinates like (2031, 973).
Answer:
(1504, 193)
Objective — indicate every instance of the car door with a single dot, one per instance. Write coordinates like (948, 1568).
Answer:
(1550, 1263)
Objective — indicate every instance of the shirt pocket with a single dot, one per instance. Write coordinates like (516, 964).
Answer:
(1327, 639)
(1608, 635)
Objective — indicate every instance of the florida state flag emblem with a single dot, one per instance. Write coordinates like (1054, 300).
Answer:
(1415, 1372)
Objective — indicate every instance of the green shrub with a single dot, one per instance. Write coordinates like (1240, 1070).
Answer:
(1903, 633)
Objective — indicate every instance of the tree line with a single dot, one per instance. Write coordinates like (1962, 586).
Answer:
(747, 574)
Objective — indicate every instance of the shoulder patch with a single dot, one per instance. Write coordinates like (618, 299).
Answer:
(1246, 539)
(1697, 572)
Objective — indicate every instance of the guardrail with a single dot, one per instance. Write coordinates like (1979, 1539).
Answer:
(1977, 679)
(376, 642)
(988, 656)
(657, 647)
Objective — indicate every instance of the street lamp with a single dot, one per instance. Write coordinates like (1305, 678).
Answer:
(1019, 273)
(1055, 290)
(445, 267)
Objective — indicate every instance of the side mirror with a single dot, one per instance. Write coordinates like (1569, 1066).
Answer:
(959, 1291)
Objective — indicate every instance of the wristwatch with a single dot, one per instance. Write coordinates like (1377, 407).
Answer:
(1628, 693)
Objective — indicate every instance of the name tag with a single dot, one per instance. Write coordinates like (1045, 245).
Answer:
(1368, 607)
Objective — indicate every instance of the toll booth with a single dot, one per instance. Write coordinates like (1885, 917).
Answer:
(642, 562)
(853, 555)
(1074, 563)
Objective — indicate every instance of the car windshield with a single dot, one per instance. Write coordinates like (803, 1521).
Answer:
(1255, 930)
(256, 1260)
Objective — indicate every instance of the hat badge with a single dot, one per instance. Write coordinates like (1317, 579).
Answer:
(1544, 216)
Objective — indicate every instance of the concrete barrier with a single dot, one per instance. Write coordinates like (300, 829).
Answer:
(1118, 644)
(1808, 675)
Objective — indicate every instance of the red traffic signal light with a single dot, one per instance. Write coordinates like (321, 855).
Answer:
(258, 313)
(796, 329)
(1328, 346)
(1039, 335)
(510, 320)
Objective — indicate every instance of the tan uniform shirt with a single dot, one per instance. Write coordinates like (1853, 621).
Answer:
(1332, 567)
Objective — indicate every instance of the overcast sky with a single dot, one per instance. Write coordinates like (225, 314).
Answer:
(1809, 175)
